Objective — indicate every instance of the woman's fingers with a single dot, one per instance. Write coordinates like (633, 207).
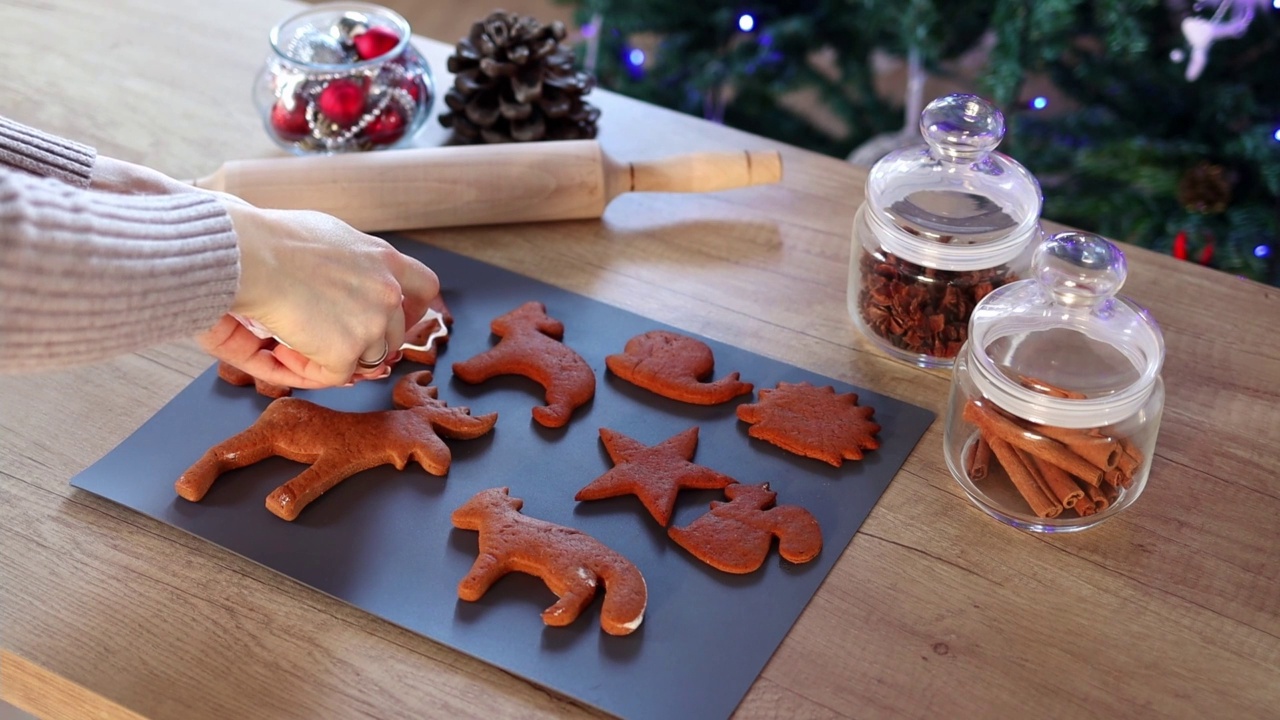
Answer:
(419, 286)
(382, 353)
(234, 344)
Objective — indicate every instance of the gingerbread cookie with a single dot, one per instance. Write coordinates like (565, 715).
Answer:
(530, 346)
(812, 421)
(418, 334)
(339, 444)
(735, 536)
(675, 366)
(653, 474)
(240, 378)
(569, 561)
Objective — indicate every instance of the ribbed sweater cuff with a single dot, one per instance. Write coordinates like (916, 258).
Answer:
(45, 155)
(85, 275)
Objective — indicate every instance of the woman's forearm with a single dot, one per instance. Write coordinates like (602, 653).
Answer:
(87, 275)
(45, 155)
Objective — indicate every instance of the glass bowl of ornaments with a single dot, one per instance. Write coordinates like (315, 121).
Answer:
(343, 77)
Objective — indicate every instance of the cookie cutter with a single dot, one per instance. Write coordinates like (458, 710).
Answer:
(441, 331)
(430, 315)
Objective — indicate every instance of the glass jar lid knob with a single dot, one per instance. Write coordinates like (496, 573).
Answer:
(1079, 269)
(961, 127)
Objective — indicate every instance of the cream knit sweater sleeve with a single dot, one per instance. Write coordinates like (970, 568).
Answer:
(85, 275)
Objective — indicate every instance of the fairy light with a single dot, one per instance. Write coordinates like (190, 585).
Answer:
(1276, 135)
(1262, 250)
(636, 57)
(1040, 102)
(747, 22)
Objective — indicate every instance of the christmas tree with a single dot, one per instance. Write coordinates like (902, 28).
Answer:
(1167, 136)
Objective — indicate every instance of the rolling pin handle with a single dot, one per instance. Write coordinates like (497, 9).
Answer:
(706, 171)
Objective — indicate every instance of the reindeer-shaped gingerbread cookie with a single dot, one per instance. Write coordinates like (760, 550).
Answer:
(735, 536)
(675, 366)
(530, 346)
(340, 444)
(569, 561)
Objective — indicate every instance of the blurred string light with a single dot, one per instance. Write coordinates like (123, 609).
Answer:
(747, 22)
(1040, 102)
(1262, 250)
(635, 58)
(1276, 134)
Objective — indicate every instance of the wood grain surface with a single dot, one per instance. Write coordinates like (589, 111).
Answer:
(934, 610)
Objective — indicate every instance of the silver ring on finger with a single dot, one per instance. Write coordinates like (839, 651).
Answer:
(372, 364)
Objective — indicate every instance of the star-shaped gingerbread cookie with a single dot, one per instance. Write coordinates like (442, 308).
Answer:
(653, 474)
(812, 421)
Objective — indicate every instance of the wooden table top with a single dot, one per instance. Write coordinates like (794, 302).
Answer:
(1171, 609)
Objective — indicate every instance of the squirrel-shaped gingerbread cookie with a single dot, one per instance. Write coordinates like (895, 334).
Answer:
(735, 536)
(340, 444)
(530, 346)
(675, 366)
(569, 561)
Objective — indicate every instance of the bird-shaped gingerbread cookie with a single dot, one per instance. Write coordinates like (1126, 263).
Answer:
(675, 366)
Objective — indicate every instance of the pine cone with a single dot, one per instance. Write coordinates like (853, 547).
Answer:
(1205, 188)
(513, 80)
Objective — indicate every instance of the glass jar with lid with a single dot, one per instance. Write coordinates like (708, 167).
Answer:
(1056, 396)
(343, 77)
(943, 224)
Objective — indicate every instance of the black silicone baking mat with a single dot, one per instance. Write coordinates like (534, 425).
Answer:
(382, 540)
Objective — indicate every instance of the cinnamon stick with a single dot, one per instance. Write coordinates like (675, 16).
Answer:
(1111, 492)
(1040, 503)
(1130, 458)
(981, 464)
(1060, 484)
(1086, 507)
(995, 426)
(1045, 388)
(1097, 497)
(1102, 451)
(1034, 469)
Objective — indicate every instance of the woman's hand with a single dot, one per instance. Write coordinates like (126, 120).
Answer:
(330, 293)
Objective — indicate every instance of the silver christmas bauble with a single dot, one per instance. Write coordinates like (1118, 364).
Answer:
(319, 48)
(349, 25)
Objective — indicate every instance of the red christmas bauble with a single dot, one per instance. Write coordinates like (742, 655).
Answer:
(375, 42)
(290, 124)
(342, 101)
(1206, 252)
(1180, 245)
(386, 128)
(413, 86)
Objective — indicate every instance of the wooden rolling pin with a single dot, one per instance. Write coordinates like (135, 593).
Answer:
(479, 185)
